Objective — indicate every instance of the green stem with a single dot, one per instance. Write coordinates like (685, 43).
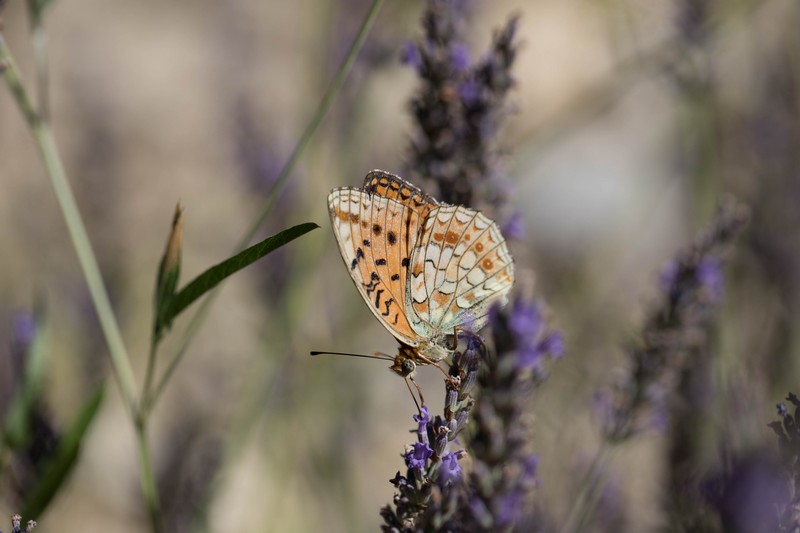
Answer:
(91, 271)
(584, 503)
(42, 76)
(149, 489)
(77, 231)
(14, 82)
(150, 372)
(322, 109)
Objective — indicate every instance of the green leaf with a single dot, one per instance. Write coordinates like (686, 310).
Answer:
(214, 275)
(16, 426)
(60, 464)
(168, 274)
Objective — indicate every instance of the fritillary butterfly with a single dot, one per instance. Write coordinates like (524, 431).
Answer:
(424, 268)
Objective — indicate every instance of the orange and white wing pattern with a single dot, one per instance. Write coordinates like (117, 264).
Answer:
(396, 188)
(423, 268)
(376, 228)
(459, 267)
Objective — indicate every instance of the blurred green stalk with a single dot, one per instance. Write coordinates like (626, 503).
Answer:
(280, 184)
(77, 230)
(46, 143)
(590, 489)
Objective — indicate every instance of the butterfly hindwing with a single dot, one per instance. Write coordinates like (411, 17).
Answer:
(393, 187)
(460, 265)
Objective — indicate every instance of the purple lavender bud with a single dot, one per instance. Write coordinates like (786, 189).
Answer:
(668, 276)
(418, 456)
(450, 469)
(461, 419)
(452, 426)
(529, 358)
(468, 384)
(23, 327)
(459, 56)
(469, 92)
(470, 357)
(450, 399)
(510, 508)
(782, 411)
(514, 228)
(480, 512)
(553, 345)
(709, 275)
(399, 480)
(440, 443)
(530, 466)
(409, 55)
(525, 320)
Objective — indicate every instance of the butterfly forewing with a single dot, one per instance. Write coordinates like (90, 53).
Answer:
(375, 235)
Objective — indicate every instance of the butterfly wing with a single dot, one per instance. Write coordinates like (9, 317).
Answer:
(459, 267)
(376, 229)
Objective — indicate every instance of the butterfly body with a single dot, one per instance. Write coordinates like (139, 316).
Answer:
(424, 268)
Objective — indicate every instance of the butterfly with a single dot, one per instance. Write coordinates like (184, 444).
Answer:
(424, 268)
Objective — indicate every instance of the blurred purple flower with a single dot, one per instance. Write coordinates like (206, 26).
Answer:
(459, 56)
(23, 327)
(674, 337)
(553, 345)
(514, 228)
(410, 56)
(509, 509)
(450, 469)
(526, 324)
(525, 321)
(668, 277)
(530, 358)
(530, 466)
(709, 275)
(459, 106)
(469, 91)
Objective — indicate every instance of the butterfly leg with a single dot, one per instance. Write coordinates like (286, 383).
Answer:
(452, 379)
(458, 330)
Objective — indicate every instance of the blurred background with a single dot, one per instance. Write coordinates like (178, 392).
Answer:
(631, 120)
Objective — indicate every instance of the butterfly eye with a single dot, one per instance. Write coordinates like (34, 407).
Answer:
(408, 367)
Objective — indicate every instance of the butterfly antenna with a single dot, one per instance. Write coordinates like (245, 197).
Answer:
(379, 356)
(419, 391)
